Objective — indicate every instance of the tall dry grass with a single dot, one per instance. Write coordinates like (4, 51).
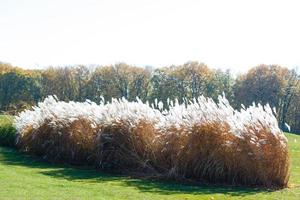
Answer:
(209, 153)
(203, 141)
(71, 143)
(124, 149)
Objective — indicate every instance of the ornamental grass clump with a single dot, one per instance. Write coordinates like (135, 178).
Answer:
(125, 142)
(59, 131)
(201, 140)
(214, 143)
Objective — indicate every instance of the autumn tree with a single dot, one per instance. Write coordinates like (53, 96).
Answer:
(189, 81)
(102, 83)
(18, 91)
(81, 75)
(60, 81)
(293, 114)
(268, 84)
(164, 86)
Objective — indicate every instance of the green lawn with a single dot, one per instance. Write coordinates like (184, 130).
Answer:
(23, 177)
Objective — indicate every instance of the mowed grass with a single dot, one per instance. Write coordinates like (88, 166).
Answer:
(24, 177)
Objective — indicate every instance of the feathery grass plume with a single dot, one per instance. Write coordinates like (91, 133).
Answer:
(59, 131)
(200, 140)
(212, 142)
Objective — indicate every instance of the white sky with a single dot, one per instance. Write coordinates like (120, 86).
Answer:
(236, 34)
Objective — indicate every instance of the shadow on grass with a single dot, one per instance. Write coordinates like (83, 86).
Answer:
(85, 174)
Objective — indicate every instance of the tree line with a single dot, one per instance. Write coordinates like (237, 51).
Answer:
(273, 84)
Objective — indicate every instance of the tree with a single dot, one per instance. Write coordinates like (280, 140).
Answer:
(102, 83)
(196, 77)
(59, 81)
(18, 91)
(164, 86)
(268, 84)
(81, 75)
(120, 80)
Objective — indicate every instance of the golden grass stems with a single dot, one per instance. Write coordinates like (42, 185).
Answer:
(124, 149)
(71, 143)
(209, 153)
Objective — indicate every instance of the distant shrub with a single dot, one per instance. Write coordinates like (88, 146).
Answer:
(203, 140)
(7, 135)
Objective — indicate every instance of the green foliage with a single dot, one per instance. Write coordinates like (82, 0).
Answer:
(7, 136)
(18, 91)
(23, 177)
(7, 131)
(5, 120)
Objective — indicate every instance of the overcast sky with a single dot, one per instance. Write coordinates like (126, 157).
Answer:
(236, 34)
